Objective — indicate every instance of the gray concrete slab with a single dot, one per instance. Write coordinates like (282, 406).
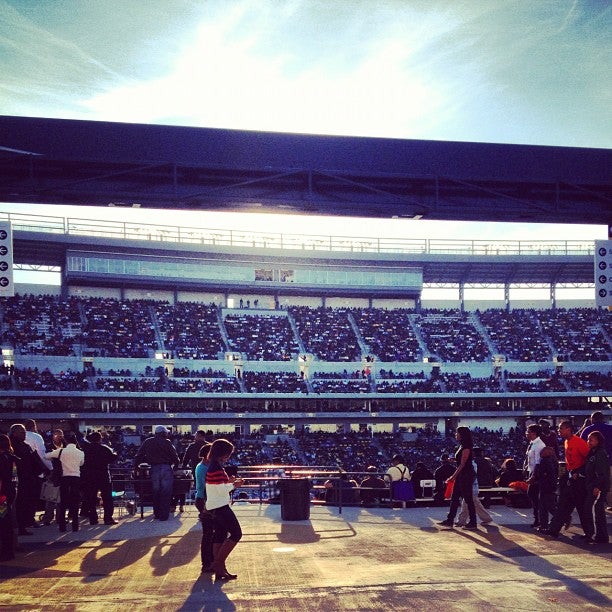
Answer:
(363, 559)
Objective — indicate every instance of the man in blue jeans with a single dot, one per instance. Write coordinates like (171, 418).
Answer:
(162, 457)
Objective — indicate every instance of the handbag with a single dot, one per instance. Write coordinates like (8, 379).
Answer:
(57, 471)
(448, 493)
(402, 490)
(4, 507)
(50, 492)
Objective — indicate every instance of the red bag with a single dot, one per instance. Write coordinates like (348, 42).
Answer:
(448, 493)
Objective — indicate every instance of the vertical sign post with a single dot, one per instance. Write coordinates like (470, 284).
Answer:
(603, 273)
(7, 286)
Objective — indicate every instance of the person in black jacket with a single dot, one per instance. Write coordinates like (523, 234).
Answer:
(597, 472)
(159, 453)
(96, 477)
(546, 475)
(29, 468)
(7, 495)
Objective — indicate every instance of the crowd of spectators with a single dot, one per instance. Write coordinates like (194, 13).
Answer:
(351, 451)
(41, 325)
(452, 336)
(546, 382)
(261, 337)
(115, 328)
(327, 333)
(95, 326)
(516, 334)
(213, 381)
(466, 383)
(274, 382)
(34, 379)
(575, 333)
(388, 333)
(190, 330)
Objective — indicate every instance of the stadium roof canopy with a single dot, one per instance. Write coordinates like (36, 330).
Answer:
(56, 161)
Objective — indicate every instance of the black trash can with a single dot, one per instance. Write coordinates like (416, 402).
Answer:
(294, 498)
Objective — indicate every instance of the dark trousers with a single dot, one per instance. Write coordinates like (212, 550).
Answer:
(595, 523)
(70, 495)
(547, 503)
(463, 490)
(91, 486)
(533, 492)
(162, 479)
(206, 545)
(7, 541)
(28, 493)
(226, 525)
(572, 495)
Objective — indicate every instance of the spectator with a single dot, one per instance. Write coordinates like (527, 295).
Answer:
(509, 473)
(485, 471)
(420, 473)
(443, 472)
(373, 487)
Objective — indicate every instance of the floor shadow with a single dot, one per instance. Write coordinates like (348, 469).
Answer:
(207, 595)
(490, 542)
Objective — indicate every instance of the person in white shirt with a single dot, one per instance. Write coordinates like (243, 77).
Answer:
(36, 441)
(72, 458)
(532, 458)
(398, 471)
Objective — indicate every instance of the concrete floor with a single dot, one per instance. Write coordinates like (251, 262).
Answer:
(363, 559)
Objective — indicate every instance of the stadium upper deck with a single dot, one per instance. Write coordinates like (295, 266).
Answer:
(49, 240)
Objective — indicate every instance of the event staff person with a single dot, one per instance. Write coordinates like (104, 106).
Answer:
(597, 482)
(532, 459)
(159, 453)
(598, 423)
(29, 468)
(72, 458)
(573, 486)
(96, 477)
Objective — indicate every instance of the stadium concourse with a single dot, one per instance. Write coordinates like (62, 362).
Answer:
(361, 559)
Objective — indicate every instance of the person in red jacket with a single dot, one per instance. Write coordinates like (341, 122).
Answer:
(573, 487)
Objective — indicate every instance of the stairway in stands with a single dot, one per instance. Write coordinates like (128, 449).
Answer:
(477, 323)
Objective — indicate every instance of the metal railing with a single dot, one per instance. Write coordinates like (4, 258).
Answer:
(125, 230)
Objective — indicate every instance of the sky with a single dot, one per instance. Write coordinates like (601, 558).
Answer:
(507, 71)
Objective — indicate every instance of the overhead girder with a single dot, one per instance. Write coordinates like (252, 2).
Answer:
(93, 163)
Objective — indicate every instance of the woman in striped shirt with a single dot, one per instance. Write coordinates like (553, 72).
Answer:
(218, 487)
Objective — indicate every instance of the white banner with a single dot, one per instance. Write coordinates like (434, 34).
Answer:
(7, 286)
